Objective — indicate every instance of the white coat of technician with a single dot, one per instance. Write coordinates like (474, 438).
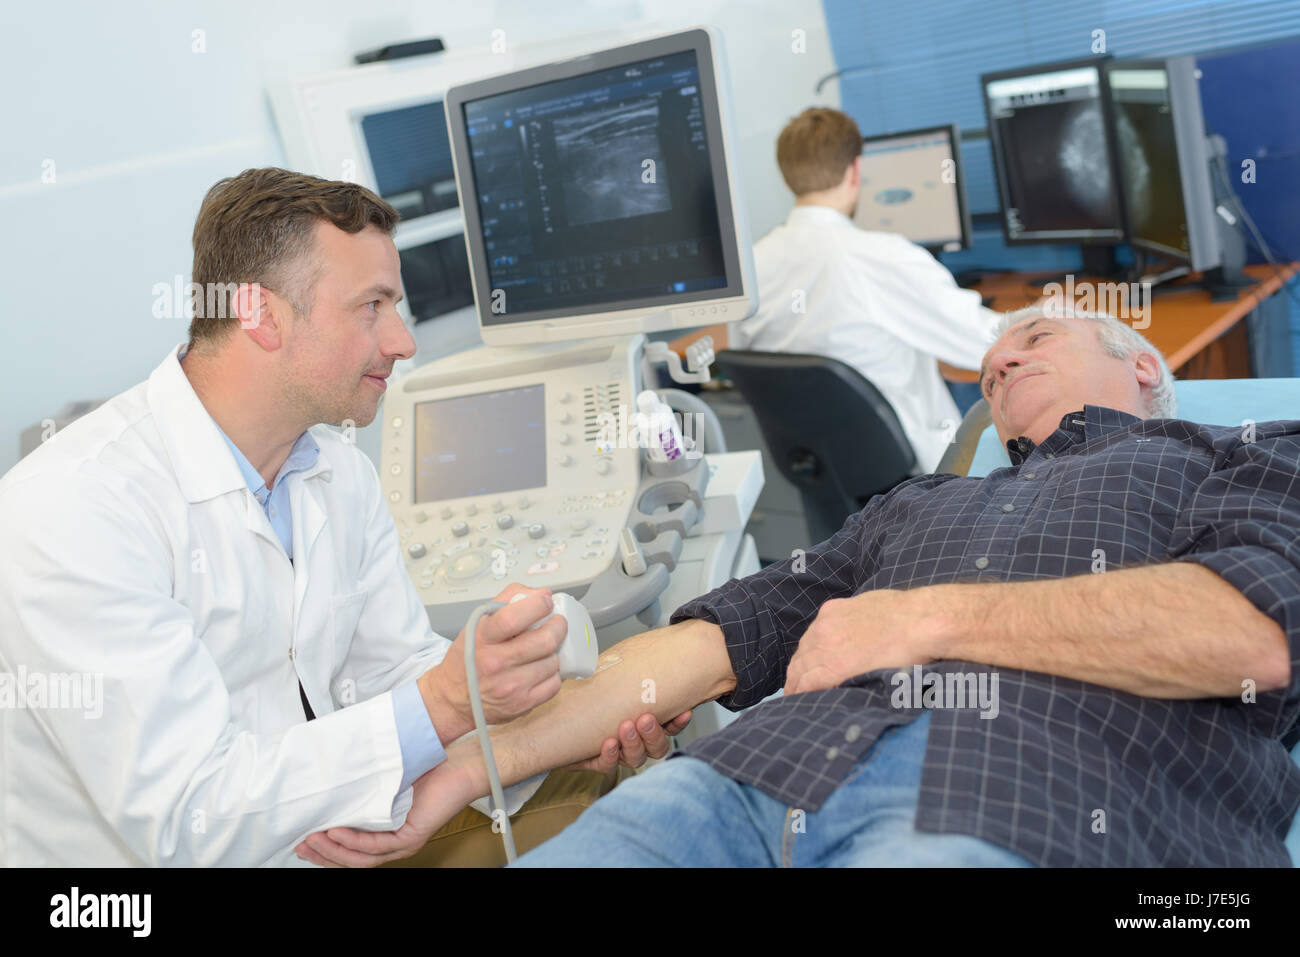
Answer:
(873, 300)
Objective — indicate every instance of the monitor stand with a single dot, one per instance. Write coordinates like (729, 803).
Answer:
(1098, 263)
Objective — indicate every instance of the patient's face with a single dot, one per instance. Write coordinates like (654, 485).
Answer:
(354, 329)
(1041, 369)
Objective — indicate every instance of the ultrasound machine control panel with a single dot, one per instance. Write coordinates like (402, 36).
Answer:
(522, 481)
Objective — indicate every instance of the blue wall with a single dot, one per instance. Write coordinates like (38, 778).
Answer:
(918, 64)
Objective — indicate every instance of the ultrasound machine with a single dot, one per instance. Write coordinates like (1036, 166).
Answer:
(599, 205)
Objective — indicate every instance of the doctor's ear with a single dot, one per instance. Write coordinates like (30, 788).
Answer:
(260, 313)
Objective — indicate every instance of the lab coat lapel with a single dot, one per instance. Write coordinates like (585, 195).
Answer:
(308, 521)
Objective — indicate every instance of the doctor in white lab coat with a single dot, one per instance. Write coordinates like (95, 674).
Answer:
(209, 646)
(873, 300)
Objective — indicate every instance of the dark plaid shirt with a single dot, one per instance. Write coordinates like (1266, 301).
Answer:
(1178, 782)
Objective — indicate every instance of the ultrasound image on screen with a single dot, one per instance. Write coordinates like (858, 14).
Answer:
(480, 444)
(573, 217)
(604, 154)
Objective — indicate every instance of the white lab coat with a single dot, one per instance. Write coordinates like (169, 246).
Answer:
(875, 301)
(131, 548)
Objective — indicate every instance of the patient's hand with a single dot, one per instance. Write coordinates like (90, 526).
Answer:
(635, 743)
(877, 629)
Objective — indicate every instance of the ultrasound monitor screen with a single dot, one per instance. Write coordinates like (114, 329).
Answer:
(1148, 154)
(905, 188)
(597, 189)
(480, 444)
(1053, 157)
(411, 156)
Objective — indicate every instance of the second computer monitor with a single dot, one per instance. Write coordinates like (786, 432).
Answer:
(912, 184)
(1054, 153)
(1168, 194)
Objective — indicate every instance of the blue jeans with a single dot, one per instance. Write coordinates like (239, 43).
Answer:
(682, 813)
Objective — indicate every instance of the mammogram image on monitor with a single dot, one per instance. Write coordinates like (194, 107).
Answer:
(1083, 157)
(603, 153)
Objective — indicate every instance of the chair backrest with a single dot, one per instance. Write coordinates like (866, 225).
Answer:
(829, 430)
(977, 451)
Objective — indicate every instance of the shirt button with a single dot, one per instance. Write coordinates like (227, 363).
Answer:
(853, 733)
(273, 511)
(1049, 455)
(1030, 475)
(832, 753)
(1008, 507)
(982, 562)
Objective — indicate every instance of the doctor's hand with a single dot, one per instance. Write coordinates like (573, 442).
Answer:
(444, 792)
(518, 669)
(884, 628)
(438, 796)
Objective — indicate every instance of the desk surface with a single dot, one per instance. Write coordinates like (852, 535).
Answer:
(1183, 319)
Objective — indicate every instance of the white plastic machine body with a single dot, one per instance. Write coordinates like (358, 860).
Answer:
(548, 511)
(515, 461)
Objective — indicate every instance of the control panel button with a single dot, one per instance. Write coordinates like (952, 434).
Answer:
(603, 466)
(460, 529)
(471, 509)
(566, 439)
(578, 524)
(422, 516)
(417, 550)
(467, 566)
(536, 530)
(564, 461)
(542, 568)
(446, 513)
(498, 506)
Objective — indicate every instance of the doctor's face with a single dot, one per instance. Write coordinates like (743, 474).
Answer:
(339, 358)
(1042, 369)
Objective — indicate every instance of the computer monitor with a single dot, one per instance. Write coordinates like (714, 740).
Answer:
(1054, 155)
(598, 194)
(411, 158)
(1164, 160)
(912, 184)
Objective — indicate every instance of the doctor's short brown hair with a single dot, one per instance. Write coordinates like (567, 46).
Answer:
(259, 227)
(815, 149)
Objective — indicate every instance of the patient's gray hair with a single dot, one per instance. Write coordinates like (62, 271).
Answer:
(1117, 338)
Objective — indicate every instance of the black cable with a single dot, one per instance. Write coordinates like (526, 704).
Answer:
(1261, 246)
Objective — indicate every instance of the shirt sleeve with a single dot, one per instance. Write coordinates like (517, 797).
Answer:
(1243, 523)
(421, 749)
(935, 316)
(763, 616)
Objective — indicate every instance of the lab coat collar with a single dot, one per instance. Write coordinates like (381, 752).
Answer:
(1090, 422)
(821, 216)
(200, 458)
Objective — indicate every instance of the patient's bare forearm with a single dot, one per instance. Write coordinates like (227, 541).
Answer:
(664, 672)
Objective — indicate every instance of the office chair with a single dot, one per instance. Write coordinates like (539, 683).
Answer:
(976, 451)
(830, 431)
